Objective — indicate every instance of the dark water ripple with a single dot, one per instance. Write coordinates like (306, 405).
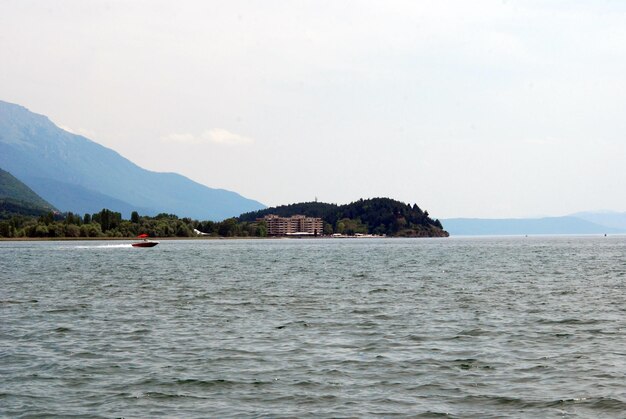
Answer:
(497, 327)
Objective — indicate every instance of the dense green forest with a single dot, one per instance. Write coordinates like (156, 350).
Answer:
(108, 223)
(369, 216)
(372, 216)
(12, 207)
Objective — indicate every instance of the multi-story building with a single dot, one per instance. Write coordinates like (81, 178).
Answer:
(296, 225)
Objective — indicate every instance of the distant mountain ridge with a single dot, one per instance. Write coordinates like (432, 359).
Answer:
(611, 219)
(524, 226)
(76, 174)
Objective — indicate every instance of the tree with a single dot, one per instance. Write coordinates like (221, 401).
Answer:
(5, 229)
(228, 228)
(48, 218)
(108, 219)
(183, 230)
(261, 229)
(41, 230)
(72, 230)
(69, 218)
(340, 227)
(90, 230)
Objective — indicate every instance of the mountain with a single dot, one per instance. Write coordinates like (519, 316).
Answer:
(18, 199)
(523, 226)
(606, 218)
(12, 188)
(76, 174)
(373, 216)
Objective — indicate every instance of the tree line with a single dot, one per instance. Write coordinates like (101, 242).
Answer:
(111, 224)
(382, 216)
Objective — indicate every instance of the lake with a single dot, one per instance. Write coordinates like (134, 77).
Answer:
(456, 327)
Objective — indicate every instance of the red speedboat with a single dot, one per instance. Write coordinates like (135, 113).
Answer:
(145, 242)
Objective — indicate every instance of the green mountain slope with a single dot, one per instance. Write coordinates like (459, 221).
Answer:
(18, 199)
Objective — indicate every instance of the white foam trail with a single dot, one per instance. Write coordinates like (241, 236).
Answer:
(105, 246)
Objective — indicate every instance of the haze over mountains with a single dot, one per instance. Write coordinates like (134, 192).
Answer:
(72, 173)
(581, 223)
(76, 174)
(616, 220)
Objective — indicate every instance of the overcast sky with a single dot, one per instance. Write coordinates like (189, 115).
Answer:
(467, 108)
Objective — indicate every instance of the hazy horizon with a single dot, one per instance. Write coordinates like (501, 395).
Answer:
(488, 109)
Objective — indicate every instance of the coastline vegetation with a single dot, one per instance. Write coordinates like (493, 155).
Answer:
(110, 224)
(379, 216)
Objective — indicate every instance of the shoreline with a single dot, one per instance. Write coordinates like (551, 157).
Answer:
(44, 239)
(69, 239)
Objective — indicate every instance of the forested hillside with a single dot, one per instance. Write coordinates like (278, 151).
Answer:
(372, 216)
(18, 199)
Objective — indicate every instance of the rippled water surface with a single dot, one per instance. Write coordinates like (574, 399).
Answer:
(457, 327)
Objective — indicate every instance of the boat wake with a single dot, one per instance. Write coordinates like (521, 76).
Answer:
(105, 246)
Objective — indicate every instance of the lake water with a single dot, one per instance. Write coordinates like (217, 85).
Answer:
(456, 327)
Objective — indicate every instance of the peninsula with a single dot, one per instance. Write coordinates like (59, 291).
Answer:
(378, 216)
